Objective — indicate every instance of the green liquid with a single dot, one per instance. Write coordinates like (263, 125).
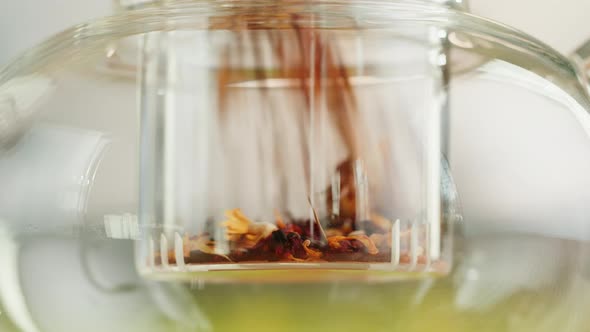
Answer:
(403, 306)
(560, 303)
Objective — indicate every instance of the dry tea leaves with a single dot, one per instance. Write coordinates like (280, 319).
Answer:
(243, 231)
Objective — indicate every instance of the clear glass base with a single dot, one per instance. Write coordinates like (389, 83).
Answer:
(296, 272)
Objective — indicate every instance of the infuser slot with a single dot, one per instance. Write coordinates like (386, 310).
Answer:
(395, 243)
(178, 251)
(164, 250)
(151, 255)
(413, 246)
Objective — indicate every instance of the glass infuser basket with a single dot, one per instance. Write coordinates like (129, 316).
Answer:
(292, 138)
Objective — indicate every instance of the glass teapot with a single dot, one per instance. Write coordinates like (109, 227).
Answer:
(278, 166)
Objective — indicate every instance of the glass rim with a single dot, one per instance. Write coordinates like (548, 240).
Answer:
(182, 15)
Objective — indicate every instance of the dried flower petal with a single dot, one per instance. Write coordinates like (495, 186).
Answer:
(293, 258)
(367, 242)
(311, 253)
(334, 241)
(331, 232)
(245, 232)
(337, 242)
(261, 229)
(202, 243)
(237, 222)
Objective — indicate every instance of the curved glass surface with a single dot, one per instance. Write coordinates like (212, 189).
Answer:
(75, 170)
